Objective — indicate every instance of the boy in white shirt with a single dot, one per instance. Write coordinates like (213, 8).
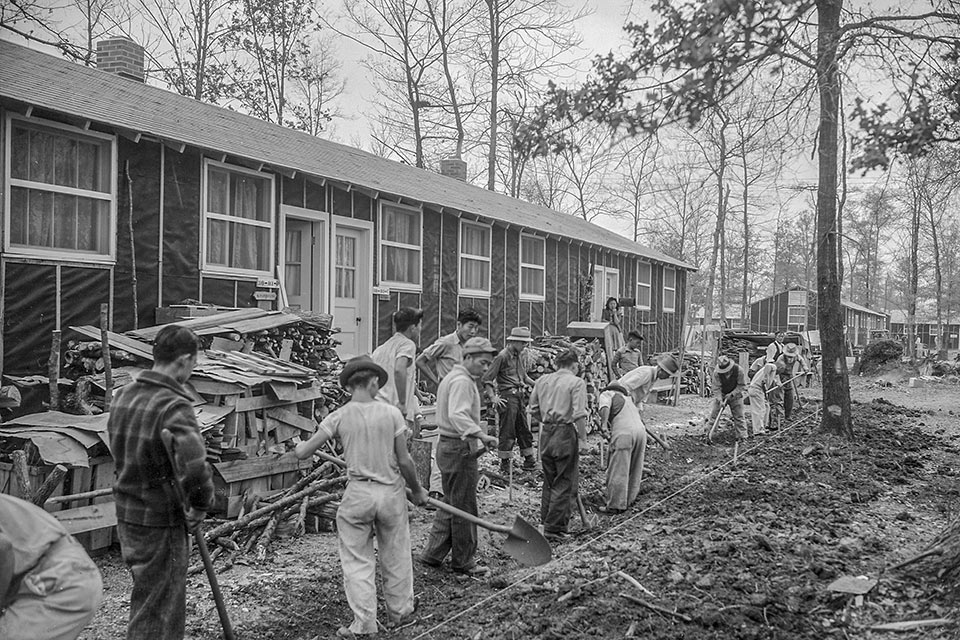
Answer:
(373, 434)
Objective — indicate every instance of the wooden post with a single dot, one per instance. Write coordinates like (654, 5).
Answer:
(3, 307)
(53, 370)
(50, 485)
(105, 353)
(21, 472)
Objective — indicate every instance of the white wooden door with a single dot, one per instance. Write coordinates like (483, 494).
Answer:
(351, 289)
(304, 273)
(606, 284)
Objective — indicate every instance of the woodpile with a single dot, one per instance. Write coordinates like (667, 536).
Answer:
(308, 505)
(538, 358)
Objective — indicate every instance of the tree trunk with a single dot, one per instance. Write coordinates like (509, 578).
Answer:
(938, 272)
(494, 14)
(914, 276)
(745, 293)
(835, 417)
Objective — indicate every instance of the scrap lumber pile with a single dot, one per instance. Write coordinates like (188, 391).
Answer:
(732, 343)
(304, 505)
(538, 358)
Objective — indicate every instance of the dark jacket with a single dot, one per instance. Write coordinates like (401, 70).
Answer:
(144, 491)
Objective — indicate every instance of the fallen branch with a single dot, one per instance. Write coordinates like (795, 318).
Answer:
(909, 625)
(935, 551)
(50, 485)
(653, 607)
(21, 472)
(635, 583)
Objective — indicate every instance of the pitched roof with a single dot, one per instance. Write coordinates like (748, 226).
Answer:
(42, 80)
(843, 301)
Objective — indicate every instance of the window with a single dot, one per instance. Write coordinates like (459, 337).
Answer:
(533, 260)
(61, 185)
(237, 220)
(474, 259)
(644, 285)
(669, 289)
(797, 316)
(796, 298)
(400, 246)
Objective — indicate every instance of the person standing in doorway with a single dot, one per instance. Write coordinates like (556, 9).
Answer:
(397, 357)
(151, 522)
(507, 382)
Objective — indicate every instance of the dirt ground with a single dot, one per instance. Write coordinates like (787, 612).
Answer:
(742, 550)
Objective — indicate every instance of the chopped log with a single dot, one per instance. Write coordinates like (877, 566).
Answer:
(21, 473)
(301, 526)
(50, 485)
(53, 371)
(105, 349)
(260, 553)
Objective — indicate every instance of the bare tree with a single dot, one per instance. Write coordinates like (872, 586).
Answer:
(317, 86)
(637, 168)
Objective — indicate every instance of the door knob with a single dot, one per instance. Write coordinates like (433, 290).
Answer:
(358, 320)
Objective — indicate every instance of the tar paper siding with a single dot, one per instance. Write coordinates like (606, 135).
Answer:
(770, 314)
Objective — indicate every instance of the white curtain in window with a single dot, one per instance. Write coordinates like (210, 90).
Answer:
(245, 238)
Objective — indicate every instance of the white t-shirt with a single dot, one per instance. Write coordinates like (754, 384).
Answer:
(368, 431)
(386, 355)
(628, 420)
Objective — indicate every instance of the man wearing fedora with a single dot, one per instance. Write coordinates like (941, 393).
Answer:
(507, 382)
(787, 365)
(729, 387)
(379, 470)
(461, 440)
(640, 381)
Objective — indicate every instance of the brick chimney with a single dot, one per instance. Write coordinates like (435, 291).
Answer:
(121, 56)
(454, 168)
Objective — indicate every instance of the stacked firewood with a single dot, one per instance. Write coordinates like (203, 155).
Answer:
(313, 498)
(83, 358)
(312, 346)
(538, 358)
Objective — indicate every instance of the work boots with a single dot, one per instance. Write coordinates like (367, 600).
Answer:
(529, 463)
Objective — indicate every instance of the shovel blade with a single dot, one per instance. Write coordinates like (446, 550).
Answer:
(526, 545)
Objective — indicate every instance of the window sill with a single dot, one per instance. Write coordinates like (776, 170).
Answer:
(405, 287)
(235, 274)
(58, 257)
(527, 298)
(473, 293)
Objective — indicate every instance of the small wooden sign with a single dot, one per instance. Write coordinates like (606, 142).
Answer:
(267, 283)
(383, 293)
(264, 295)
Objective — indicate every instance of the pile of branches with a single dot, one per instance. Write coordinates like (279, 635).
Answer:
(879, 355)
(316, 494)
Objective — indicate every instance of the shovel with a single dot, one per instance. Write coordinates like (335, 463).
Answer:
(524, 543)
(716, 422)
(167, 439)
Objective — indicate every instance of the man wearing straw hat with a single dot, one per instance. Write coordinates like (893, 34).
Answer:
(729, 387)
(640, 381)
(506, 382)
(461, 439)
(788, 362)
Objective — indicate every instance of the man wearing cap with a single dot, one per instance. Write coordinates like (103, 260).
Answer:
(559, 402)
(397, 357)
(379, 470)
(461, 440)
(627, 357)
(729, 386)
(640, 381)
(506, 382)
(435, 363)
(628, 447)
(788, 363)
(762, 381)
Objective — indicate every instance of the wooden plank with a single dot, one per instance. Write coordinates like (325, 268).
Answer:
(265, 402)
(90, 518)
(238, 470)
(283, 390)
(282, 432)
(119, 341)
(103, 477)
(208, 387)
(291, 418)
(149, 333)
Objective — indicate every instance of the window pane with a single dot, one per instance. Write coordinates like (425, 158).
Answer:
(475, 241)
(249, 246)
(346, 282)
(669, 300)
(217, 242)
(400, 225)
(65, 221)
(531, 250)
(41, 157)
(643, 295)
(643, 272)
(670, 278)
(292, 270)
(20, 153)
(91, 174)
(40, 225)
(19, 206)
(346, 251)
(249, 197)
(218, 187)
(474, 274)
(401, 265)
(531, 281)
(65, 162)
(92, 225)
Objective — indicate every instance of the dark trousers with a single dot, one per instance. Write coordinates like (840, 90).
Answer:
(157, 557)
(513, 427)
(459, 475)
(560, 455)
(788, 400)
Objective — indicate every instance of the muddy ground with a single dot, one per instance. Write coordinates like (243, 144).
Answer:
(742, 550)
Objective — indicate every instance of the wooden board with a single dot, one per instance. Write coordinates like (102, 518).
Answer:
(89, 518)
(237, 470)
(291, 418)
(119, 341)
(149, 333)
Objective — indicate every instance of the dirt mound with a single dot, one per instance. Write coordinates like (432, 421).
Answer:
(878, 356)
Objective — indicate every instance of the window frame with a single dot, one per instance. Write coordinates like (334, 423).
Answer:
(665, 288)
(52, 253)
(648, 285)
(235, 272)
(532, 297)
(476, 293)
(381, 243)
(791, 308)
